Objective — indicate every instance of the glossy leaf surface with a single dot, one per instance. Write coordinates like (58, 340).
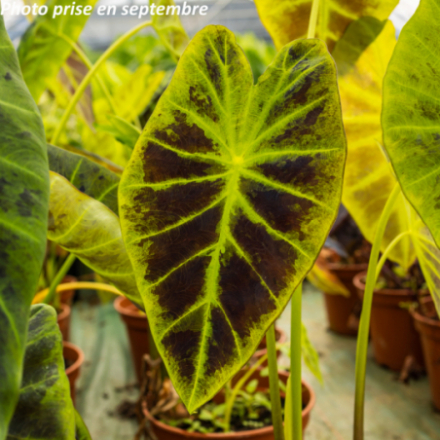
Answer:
(411, 113)
(227, 200)
(169, 28)
(91, 231)
(89, 177)
(24, 193)
(369, 179)
(44, 410)
(288, 20)
(43, 48)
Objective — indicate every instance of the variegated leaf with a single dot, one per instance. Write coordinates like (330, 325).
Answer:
(227, 200)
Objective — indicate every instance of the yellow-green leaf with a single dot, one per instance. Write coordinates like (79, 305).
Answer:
(91, 231)
(411, 113)
(369, 179)
(89, 177)
(227, 200)
(287, 20)
(43, 48)
(169, 28)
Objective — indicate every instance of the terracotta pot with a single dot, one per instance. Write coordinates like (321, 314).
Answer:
(166, 432)
(340, 308)
(137, 328)
(429, 330)
(66, 297)
(63, 319)
(393, 334)
(280, 336)
(75, 358)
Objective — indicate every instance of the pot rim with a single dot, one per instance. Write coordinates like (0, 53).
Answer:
(77, 363)
(65, 312)
(222, 435)
(123, 310)
(424, 319)
(336, 267)
(385, 292)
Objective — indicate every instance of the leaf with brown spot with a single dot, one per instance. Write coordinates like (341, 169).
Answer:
(24, 195)
(44, 410)
(288, 20)
(227, 200)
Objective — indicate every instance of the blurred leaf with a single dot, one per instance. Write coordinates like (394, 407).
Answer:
(91, 231)
(42, 51)
(121, 130)
(411, 114)
(24, 194)
(89, 177)
(251, 387)
(325, 280)
(44, 410)
(288, 20)
(170, 29)
(310, 356)
(229, 195)
(369, 179)
(81, 431)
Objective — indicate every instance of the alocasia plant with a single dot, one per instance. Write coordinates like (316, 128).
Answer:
(227, 200)
(24, 194)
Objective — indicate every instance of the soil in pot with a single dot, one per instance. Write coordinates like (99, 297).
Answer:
(428, 325)
(73, 359)
(396, 342)
(137, 327)
(251, 417)
(345, 255)
(280, 336)
(63, 319)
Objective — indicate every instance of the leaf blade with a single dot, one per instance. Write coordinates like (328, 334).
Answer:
(198, 201)
(24, 193)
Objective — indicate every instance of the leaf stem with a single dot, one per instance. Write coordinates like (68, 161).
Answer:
(274, 387)
(83, 57)
(85, 82)
(40, 296)
(364, 326)
(295, 363)
(58, 278)
(311, 32)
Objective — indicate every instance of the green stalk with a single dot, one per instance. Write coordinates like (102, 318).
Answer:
(387, 252)
(58, 278)
(275, 399)
(85, 82)
(295, 363)
(311, 32)
(83, 57)
(364, 326)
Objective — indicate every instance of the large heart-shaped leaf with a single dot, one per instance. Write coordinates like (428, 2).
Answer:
(411, 113)
(89, 177)
(227, 200)
(91, 231)
(369, 179)
(287, 20)
(24, 193)
(44, 410)
(46, 45)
